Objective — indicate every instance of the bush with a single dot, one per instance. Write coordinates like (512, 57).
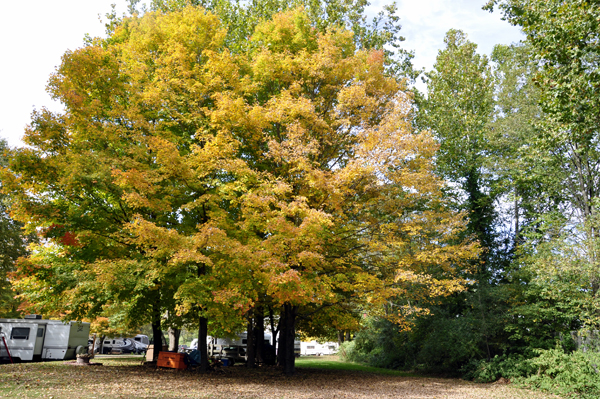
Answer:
(565, 374)
(446, 344)
(573, 374)
(379, 344)
(435, 345)
(506, 366)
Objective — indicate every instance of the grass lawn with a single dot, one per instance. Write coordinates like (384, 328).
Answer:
(320, 377)
(334, 363)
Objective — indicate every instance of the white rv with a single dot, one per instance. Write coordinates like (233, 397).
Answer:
(138, 344)
(33, 338)
(313, 348)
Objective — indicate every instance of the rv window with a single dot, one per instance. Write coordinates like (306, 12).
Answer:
(106, 342)
(244, 341)
(40, 332)
(19, 333)
(331, 347)
(310, 347)
(137, 339)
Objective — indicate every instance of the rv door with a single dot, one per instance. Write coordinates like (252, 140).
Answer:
(39, 340)
(20, 338)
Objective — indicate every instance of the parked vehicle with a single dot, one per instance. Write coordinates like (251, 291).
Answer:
(142, 339)
(234, 349)
(137, 344)
(313, 348)
(36, 339)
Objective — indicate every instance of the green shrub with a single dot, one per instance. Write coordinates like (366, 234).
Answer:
(379, 344)
(507, 366)
(575, 374)
(447, 344)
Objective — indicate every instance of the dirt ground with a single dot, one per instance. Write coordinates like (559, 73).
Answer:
(310, 383)
(126, 381)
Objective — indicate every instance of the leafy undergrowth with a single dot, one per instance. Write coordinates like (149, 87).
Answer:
(126, 377)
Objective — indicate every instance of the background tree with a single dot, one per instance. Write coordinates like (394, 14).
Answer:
(459, 108)
(511, 135)
(13, 245)
(563, 38)
(535, 314)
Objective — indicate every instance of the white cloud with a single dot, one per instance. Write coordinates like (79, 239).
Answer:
(425, 23)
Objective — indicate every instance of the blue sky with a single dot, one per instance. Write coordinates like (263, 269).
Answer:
(35, 33)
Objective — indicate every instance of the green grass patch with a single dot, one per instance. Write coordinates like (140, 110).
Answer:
(334, 363)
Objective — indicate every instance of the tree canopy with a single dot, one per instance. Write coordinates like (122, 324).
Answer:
(13, 245)
(223, 165)
(190, 177)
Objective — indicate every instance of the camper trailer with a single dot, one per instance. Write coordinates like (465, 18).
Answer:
(313, 348)
(138, 344)
(34, 338)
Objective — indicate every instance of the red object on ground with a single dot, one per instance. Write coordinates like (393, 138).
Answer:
(7, 351)
(171, 360)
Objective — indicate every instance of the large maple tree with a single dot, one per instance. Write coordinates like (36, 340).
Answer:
(184, 177)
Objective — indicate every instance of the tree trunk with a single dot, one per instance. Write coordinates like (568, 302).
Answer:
(174, 334)
(290, 335)
(202, 347)
(202, 330)
(340, 335)
(101, 346)
(347, 335)
(259, 334)
(281, 343)
(156, 330)
(250, 349)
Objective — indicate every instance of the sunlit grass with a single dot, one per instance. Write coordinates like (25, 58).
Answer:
(334, 363)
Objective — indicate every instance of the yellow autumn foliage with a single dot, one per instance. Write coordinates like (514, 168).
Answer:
(287, 174)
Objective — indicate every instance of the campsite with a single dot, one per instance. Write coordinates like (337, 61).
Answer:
(325, 377)
(300, 198)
